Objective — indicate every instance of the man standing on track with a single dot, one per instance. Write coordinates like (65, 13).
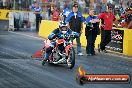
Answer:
(108, 18)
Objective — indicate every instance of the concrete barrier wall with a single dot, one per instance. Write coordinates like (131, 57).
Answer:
(4, 14)
(47, 27)
(127, 44)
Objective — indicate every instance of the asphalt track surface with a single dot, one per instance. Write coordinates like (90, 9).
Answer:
(18, 70)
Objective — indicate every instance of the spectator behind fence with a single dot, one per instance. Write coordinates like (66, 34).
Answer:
(91, 31)
(49, 12)
(37, 12)
(108, 18)
(1, 4)
(33, 6)
(4, 4)
(103, 7)
(55, 16)
(75, 21)
(65, 13)
(82, 4)
(16, 20)
(128, 18)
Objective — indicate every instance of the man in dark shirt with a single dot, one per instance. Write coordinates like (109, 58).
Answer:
(91, 32)
(75, 21)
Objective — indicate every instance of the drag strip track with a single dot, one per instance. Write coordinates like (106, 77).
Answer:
(16, 75)
(18, 70)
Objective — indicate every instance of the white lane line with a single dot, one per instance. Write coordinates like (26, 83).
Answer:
(27, 35)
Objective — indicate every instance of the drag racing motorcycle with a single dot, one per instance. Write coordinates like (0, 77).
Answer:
(63, 52)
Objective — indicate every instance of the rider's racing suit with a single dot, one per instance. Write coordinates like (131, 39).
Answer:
(57, 33)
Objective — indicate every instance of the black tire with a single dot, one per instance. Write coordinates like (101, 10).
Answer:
(99, 48)
(43, 61)
(80, 80)
(49, 62)
(72, 57)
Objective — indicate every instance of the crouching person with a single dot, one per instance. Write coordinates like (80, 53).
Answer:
(57, 33)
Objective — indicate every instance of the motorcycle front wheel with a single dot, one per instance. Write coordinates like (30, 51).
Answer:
(72, 58)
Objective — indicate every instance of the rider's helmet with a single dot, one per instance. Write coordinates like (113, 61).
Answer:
(63, 27)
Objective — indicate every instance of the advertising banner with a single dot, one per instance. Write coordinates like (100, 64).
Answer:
(116, 43)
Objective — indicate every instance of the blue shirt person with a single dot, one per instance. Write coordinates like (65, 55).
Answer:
(33, 6)
(91, 31)
(75, 22)
(65, 13)
(37, 11)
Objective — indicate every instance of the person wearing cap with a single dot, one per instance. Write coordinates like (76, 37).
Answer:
(33, 6)
(108, 18)
(75, 22)
(38, 13)
(128, 18)
(91, 31)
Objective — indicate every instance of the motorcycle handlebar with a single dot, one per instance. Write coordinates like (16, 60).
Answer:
(66, 37)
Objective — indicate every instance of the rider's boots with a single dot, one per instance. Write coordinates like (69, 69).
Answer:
(46, 57)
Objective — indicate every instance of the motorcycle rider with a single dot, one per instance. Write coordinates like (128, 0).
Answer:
(60, 32)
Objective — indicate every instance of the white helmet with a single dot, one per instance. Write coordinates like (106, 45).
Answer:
(62, 24)
(63, 27)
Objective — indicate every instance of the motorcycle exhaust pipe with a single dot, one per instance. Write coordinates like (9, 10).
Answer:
(62, 54)
(60, 61)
